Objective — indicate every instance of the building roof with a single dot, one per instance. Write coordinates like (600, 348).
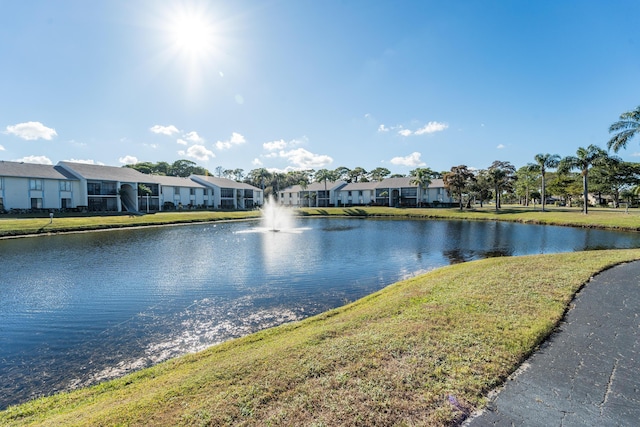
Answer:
(358, 186)
(222, 182)
(173, 181)
(315, 186)
(32, 170)
(105, 173)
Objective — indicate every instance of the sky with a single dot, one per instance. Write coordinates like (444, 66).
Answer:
(312, 84)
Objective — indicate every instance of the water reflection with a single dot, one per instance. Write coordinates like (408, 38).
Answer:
(81, 308)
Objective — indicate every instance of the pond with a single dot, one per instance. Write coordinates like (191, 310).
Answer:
(80, 308)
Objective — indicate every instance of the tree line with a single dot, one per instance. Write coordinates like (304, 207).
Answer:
(591, 170)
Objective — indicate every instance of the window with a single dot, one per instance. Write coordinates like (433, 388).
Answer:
(65, 203)
(176, 191)
(35, 184)
(0, 183)
(65, 185)
(192, 191)
(226, 192)
(36, 203)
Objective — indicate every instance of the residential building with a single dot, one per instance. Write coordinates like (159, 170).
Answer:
(26, 186)
(229, 194)
(315, 194)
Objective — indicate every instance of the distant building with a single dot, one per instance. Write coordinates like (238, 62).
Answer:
(98, 188)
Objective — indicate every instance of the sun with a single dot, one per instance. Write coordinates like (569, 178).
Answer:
(192, 33)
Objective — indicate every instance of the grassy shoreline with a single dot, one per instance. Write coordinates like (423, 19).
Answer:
(392, 358)
(597, 218)
(397, 357)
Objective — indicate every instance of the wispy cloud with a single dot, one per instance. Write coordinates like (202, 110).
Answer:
(193, 137)
(412, 160)
(431, 127)
(128, 160)
(500, 146)
(164, 130)
(31, 131)
(1, 148)
(41, 160)
(275, 145)
(236, 139)
(304, 159)
(86, 162)
(198, 152)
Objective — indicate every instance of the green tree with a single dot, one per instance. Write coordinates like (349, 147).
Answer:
(626, 128)
(358, 174)
(422, 178)
(584, 159)
(378, 174)
(543, 163)
(501, 175)
(457, 181)
(480, 187)
(614, 177)
(324, 175)
(343, 173)
(526, 183)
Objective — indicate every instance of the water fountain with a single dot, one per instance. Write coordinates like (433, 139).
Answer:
(276, 218)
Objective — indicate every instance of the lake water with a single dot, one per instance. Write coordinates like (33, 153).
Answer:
(80, 308)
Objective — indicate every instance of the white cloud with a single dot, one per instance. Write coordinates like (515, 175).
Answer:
(500, 146)
(193, 137)
(405, 132)
(256, 162)
(31, 131)
(275, 145)
(636, 154)
(431, 127)
(304, 159)
(1, 148)
(128, 160)
(164, 130)
(198, 152)
(411, 160)
(154, 146)
(383, 128)
(236, 139)
(41, 160)
(87, 162)
(182, 142)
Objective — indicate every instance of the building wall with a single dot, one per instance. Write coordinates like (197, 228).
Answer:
(16, 193)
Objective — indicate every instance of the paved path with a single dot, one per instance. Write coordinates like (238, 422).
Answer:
(587, 373)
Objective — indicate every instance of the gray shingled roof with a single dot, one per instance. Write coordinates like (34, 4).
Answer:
(224, 182)
(32, 170)
(315, 186)
(358, 186)
(173, 181)
(105, 173)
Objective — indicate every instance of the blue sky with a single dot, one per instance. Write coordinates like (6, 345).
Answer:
(310, 84)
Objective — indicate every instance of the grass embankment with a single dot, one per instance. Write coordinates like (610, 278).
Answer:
(397, 357)
(20, 226)
(617, 219)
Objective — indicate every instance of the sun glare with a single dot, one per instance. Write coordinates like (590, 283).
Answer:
(192, 35)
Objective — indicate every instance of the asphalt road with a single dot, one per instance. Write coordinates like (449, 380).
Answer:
(588, 372)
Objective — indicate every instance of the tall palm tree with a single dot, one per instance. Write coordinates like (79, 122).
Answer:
(544, 162)
(422, 178)
(324, 175)
(501, 175)
(583, 160)
(626, 128)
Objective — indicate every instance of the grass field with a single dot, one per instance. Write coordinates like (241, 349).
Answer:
(397, 357)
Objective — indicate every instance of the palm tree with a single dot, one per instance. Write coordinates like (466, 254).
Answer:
(501, 175)
(627, 127)
(583, 160)
(422, 178)
(544, 162)
(324, 175)
(457, 180)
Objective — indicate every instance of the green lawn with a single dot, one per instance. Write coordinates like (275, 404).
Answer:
(392, 358)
